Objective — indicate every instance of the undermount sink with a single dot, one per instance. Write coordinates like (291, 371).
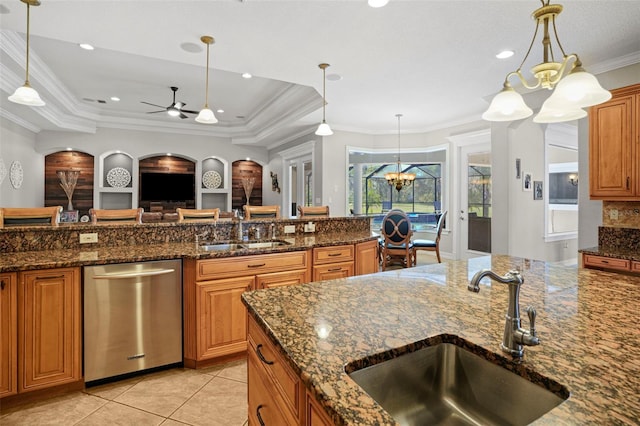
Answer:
(445, 384)
(222, 246)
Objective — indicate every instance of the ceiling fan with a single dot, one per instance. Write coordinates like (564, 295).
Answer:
(175, 109)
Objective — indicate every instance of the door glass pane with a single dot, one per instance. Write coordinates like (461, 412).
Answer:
(479, 202)
(308, 184)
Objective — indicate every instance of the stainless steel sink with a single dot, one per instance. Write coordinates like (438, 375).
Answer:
(448, 385)
(222, 246)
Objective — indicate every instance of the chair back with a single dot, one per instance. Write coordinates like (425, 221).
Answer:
(197, 214)
(313, 211)
(18, 216)
(396, 227)
(261, 212)
(116, 215)
(440, 225)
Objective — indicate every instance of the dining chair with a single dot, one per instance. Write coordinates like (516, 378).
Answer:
(30, 216)
(430, 245)
(116, 215)
(261, 212)
(186, 215)
(313, 211)
(395, 245)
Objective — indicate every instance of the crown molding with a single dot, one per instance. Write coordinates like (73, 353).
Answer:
(19, 121)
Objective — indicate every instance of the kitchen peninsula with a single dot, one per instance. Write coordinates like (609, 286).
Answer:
(587, 324)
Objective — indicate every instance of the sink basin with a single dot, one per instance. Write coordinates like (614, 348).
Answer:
(242, 245)
(221, 246)
(445, 384)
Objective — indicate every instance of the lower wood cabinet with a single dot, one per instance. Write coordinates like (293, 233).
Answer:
(610, 263)
(315, 414)
(333, 262)
(8, 334)
(367, 258)
(41, 340)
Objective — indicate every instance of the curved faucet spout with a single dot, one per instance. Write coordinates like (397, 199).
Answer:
(511, 277)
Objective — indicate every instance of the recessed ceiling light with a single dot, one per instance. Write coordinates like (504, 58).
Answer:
(191, 47)
(69, 148)
(248, 159)
(220, 111)
(505, 54)
(115, 99)
(168, 154)
(334, 77)
(246, 75)
(378, 3)
(86, 46)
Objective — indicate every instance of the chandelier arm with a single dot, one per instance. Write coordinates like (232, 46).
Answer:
(533, 40)
(522, 80)
(565, 62)
(555, 32)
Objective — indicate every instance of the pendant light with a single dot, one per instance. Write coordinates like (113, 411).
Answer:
(27, 95)
(577, 90)
(206, 116)
(323, 128)
(399, 179)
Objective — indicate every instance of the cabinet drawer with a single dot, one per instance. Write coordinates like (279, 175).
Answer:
(332, 254)
(280, 279)
(286, 383)
(606, 262)
(332, 271)
(263, 408)
(250, 265)
(635, 266)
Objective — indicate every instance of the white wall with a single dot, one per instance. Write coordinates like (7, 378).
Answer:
(17, 144)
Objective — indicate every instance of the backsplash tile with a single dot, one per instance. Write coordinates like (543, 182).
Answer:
(628, 213)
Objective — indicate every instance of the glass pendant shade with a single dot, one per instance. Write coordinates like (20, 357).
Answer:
(324, 129)
(206, 116)
(507, 105)
(26, 95)
(579, 89)
(552, 112)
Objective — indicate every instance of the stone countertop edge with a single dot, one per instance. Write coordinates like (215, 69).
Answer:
(617, 253)
(45, 259)
(590, 341)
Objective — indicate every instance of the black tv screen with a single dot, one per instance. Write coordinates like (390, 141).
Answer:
(167, 186)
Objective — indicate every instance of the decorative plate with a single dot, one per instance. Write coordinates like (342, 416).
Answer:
(211, 179)
(3, 171)
(16, 174)
(84, 218)
(118, 177)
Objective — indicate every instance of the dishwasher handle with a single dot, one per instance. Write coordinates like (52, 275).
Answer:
(133, 274)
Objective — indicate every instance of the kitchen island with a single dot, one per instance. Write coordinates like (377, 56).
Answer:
(587, 324)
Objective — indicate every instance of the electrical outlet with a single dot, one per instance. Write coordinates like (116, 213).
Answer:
(309, 227)
(289, 229)
(89, 238)
(613, 214)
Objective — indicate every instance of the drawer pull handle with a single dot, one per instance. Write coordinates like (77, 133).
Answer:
(257, 265)
(259, 416)
(334, 269)
(604, 261)
(262, 358)
(54, 277)
(628, 182)
(334, 254)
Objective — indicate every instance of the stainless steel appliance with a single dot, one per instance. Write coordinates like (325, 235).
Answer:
(132, 317)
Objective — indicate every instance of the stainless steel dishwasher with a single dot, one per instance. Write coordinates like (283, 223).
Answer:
(132, 317)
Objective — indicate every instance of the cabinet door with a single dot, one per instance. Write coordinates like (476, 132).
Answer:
(332, 271)
(611, 150)
(279, 279)
(221, 317)
(8, 335)
(49, 338)
(315, 414)
(367, 258)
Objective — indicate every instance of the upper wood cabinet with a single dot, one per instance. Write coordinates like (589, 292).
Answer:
(614, 152)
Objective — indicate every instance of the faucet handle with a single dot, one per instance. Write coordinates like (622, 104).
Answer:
(531, 313)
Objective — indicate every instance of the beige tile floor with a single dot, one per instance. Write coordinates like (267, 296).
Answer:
(215, 396)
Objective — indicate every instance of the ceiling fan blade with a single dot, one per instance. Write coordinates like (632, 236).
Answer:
(154, 112)
(148, 103)
(188, 111)
(183, 116)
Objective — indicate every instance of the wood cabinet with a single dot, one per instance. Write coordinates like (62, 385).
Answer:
(315, 414)
(367, 258)
(333, 262)
(215, 319)
(8, 334)
(275, 391)
(610, 263)
(49, 328)
(614, 146)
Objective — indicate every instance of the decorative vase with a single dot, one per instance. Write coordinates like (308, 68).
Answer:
(247, 184)
(68, 181)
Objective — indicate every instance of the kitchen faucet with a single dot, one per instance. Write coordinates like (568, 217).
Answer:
(514, 337)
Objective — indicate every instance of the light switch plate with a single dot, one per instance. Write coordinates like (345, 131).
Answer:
(89, 238)
(289, 229)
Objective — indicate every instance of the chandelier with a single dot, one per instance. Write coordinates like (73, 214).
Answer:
(399, 179)
(573, 92)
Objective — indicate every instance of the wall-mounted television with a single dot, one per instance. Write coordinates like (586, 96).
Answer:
(167, 186)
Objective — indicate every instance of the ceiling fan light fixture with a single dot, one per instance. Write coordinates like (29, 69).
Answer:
(173, 112)
(324, 129)
(573, 91)
(27, 95)
(377, 3)
(206, 115)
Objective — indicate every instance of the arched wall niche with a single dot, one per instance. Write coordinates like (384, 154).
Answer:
(54, 195)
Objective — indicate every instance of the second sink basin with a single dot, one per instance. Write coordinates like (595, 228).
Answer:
(445, 384)
(239, 245)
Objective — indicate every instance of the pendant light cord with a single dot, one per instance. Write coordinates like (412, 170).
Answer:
(206, 95)
(324, 94)
(26, 80)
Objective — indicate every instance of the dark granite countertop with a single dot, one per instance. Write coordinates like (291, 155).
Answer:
(61, 258)
(617, 252)
(587, 323)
